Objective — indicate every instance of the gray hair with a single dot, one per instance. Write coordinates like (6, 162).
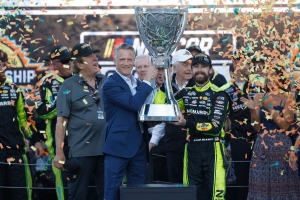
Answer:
(143, 56)
(123, 46)
(176, 64)
(74, 65)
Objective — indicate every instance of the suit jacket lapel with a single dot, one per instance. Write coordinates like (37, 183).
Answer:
(123, 83)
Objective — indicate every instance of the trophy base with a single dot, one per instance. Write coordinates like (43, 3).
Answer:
(159, 112)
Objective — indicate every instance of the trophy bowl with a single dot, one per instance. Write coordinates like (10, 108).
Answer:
(161, 29)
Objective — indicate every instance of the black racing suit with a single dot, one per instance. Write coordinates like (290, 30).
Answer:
(46, 109)
(205, 112)
(14, 129)
(241, 134)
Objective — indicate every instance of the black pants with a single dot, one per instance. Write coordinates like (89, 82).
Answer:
(160, 171)
(206, 170)
(241, 152)
(88, 166)
(15, 175)
(175, 166)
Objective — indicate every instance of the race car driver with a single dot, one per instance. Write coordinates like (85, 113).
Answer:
(60, 57)
(14, 129)
(205, 107)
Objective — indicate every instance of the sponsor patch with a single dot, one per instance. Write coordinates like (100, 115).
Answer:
(203, 126)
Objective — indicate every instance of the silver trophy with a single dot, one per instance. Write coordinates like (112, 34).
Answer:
(161, 30)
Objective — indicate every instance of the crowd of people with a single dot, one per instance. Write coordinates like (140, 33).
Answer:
(87, 124)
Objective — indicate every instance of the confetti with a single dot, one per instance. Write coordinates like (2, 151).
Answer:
(33, 148)
(59, 20)
(85, 101)
(66, 91)
(62, 145)
(275, 164)
(61, 162)
(226, 39)
(104, 14)
(11, 159)
(70, 23)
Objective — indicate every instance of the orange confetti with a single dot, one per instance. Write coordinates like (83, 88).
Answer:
(10, 159)
(254, 165)
(246, 156)
(62, 145)
(278, 143)
(108, 21)
(239, 122)
(264, 144)
(44, 152)
(1, 146)
(85, 26)
(262, 126)
(20, 160)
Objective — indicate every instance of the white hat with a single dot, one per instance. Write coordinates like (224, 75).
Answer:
(181, 55)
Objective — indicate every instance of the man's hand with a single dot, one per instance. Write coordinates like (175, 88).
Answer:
(151, 145)
(39, 149)
(151, 74)
(181, 121)
(59, 160)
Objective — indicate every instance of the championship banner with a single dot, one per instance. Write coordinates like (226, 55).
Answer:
(30, 29)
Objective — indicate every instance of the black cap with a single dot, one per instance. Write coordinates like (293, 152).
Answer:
(60, 53)
(3, 56)
(83, 49)
(71, 169)
(195, 48)
(202, 58)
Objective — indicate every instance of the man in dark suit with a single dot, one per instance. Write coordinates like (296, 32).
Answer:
(125, 148)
